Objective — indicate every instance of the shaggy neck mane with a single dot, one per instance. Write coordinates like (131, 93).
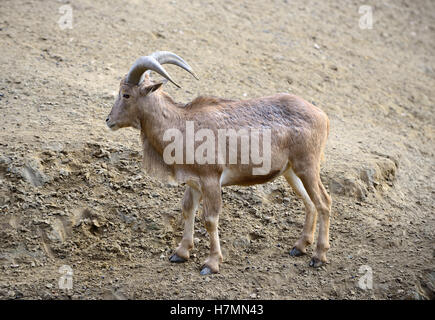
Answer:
(163, 113)
(160, 115)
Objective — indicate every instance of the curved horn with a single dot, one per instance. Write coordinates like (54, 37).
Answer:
(146, 63)
(154, 62)
(169, 57)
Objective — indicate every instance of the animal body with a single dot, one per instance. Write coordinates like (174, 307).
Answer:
(293, 133)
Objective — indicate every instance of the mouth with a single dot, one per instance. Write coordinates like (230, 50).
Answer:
(112, 126)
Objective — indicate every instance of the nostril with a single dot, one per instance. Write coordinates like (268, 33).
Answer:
(107, 119)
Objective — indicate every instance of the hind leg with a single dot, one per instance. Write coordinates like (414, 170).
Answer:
(307, 236)
(323, 239)
(310, 177)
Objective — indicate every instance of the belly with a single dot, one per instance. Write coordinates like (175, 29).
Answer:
(244, 177)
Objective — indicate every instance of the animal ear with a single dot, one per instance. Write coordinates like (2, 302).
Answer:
(151, 88)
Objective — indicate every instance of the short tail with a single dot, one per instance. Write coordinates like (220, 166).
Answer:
(322, 154)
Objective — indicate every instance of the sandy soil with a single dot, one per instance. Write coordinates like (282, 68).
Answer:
(73, 193)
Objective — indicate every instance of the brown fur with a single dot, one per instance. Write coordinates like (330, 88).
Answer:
(203, 101)
(299, 133)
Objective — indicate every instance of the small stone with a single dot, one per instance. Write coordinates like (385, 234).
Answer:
(253, 296)
(63, 173)
(96, 223)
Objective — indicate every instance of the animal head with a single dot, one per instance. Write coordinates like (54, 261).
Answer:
(137, 86)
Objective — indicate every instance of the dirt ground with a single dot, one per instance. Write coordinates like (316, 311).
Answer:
(73, 193)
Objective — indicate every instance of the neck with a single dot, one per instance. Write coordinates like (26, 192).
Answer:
(162, 113)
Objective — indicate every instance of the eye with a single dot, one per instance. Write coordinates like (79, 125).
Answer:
(126, 96)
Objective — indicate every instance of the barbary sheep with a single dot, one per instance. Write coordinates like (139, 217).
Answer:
(188, 143)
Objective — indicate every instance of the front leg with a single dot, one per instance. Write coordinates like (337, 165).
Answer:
(190, 204)
(211, 192)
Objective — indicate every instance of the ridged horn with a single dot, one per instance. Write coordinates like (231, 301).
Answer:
(154, 62)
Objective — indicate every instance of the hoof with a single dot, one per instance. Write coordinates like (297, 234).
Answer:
(295, 252)
(205, 271)
(315, 263)
(176, 259)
